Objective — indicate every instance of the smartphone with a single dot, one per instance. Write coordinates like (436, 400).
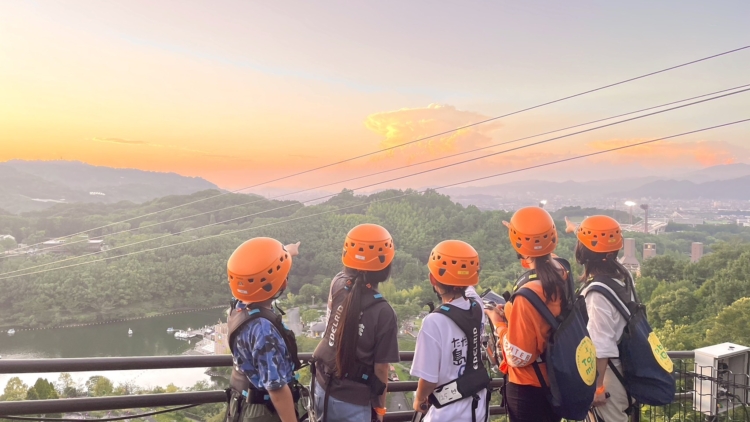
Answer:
(492, 299)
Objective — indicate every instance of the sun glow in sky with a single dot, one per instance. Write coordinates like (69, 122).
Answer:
(240, 92)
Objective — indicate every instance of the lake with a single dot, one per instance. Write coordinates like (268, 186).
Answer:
(150, 338)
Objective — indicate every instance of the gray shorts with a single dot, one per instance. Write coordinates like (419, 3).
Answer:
(339, 411)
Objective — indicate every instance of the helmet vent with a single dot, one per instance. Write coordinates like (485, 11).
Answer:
(454, 262)
(537, 241)
(527, 239)
(286, 256)
(361, 249)
(381, 258)
(270, 271)
(231, 277)
(352, 244)
(278, 267)
(594, 243)
(262, 279)
(545, 236)
(439, 257)
(268, 287)
(372, 247)
(251, 280)
(463, 265)
(281, 259)
(554, 239)
(445, 263)
(441, 272)
(472, 262)
(380, 249)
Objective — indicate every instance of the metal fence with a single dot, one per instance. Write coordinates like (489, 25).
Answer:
(693, 403)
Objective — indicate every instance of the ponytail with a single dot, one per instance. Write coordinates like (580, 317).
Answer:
(553, 285)
(601, 263)
(346, 337)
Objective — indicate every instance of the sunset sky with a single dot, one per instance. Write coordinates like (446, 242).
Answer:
(240, 92)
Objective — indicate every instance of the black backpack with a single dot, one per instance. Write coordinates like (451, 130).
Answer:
(646, 367)
(570, 354)
(475, 377)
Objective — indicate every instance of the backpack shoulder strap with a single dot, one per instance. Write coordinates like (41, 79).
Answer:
(286, 334)
(370, 298)
(470, 322)
(612, 297)
(539, 305)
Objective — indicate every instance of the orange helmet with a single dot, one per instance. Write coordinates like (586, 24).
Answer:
(258, 269)
(532, 232)
(368, 247)
(454, 263)
(600, 233)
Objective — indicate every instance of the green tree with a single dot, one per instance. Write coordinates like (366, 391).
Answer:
(732, 324)
(99, 386)
(42, 390)
(15, 390)
(310, 316)
(308, 293)
(7, 244)
(678, 306)
(66, 386)
(664, 267)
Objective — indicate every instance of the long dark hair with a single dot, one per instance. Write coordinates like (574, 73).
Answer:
(600, 263)
(347, 335)
(548, 274)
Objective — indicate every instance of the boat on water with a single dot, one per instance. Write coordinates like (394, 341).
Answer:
(130, 332)
(170, 330)
(181, 334)
(11, 332)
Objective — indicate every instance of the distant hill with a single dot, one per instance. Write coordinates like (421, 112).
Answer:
(723, 172)
(738, 189)
(679, 186)
(36, 185)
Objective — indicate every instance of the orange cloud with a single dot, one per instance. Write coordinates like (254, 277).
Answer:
(673, 154)
(407, 124)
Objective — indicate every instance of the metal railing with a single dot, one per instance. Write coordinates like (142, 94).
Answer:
(681, 410)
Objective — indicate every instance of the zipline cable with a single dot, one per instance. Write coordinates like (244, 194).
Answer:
(394, 169)
(577, 157)
(419, 139)
(381, 182)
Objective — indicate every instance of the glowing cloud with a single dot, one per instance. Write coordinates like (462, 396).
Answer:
(405, 125)
(673, 154)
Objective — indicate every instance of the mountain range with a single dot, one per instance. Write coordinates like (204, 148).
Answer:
(36, 185)
(725, 182)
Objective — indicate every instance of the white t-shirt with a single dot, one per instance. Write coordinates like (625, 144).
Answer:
(606, 324)
(437, 360)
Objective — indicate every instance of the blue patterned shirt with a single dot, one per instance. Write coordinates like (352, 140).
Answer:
(262, 355)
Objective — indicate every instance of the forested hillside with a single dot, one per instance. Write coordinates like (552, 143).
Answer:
(185, 263)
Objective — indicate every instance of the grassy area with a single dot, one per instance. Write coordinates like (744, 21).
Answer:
(406, 343)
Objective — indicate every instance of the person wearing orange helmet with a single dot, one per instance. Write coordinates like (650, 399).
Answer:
(452, 378)
(522, 332)
(599, 241)
(263, 383)
(351, 363)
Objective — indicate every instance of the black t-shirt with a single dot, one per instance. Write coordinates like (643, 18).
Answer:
(377, 343)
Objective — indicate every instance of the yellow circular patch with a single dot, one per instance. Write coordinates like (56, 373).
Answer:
(660, 353)
(586, 360)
